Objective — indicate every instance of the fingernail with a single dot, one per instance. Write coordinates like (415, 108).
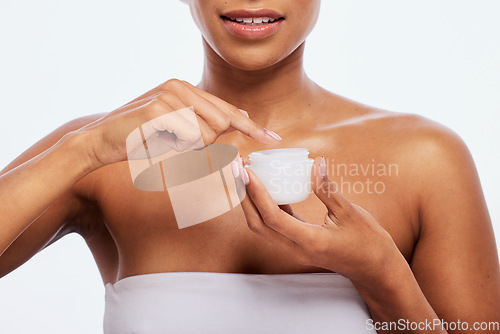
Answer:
(244, 175)
(272, 134)
(322, 166)
(235, 169)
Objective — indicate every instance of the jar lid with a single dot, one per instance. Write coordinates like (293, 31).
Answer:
(281, 154)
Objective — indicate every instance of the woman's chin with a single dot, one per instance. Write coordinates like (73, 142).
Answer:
(255, 58)
(250, 62)
(246, 57)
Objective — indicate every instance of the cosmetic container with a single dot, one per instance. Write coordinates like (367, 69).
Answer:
(285, 172)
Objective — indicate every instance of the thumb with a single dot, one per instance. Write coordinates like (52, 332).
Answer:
(328, 193)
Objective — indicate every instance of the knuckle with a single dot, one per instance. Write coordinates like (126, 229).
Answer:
(233, 110)
(331, 188)
(345, 210)
(270, 218)
(223, 123)
(253, 225)
(326, 188)
(210, 137)
(259, 188)
(167, 95)
(156, 106)
(227, 121)
(172, 84)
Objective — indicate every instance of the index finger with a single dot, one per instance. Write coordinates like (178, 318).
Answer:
(238, 120)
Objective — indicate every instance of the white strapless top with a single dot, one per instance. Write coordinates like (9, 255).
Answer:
(205, 303)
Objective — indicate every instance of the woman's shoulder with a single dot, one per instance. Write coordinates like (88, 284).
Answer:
(413, 140)
(430, 151)
(399, 129)
(423, 137)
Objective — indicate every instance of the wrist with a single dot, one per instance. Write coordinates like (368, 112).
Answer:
(387, 280)
(76, 143)
(381, 260)
(395, 294)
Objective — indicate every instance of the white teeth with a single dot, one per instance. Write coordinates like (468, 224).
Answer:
(254, 21)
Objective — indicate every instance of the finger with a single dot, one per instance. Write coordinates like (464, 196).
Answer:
(216, 118)
(172, 128)
(288, 209)
(173, 100)
(338, 206)
(244, 113)
(207, 133)
(274, 217)
(244, 161)
(239, 121)
(256, 225)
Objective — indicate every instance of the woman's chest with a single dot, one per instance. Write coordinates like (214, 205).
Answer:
(145, 228)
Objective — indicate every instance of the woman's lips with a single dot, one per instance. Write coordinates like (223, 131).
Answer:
(252, 24)
(254, 31)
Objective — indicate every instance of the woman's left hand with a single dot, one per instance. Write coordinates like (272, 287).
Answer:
(348, 241)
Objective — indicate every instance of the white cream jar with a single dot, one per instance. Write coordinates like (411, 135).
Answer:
(285, 172)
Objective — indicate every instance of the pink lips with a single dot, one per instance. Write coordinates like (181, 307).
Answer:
(255, 31)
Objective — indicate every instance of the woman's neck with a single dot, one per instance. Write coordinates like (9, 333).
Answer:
(267, 95)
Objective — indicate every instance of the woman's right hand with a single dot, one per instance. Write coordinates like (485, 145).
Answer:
(108, 135)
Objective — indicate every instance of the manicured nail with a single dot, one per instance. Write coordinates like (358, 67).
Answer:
(322, 166)
(244, 175)
(235, 169)
(272, 134)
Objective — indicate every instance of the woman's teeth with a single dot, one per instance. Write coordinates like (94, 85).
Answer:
(253, 21)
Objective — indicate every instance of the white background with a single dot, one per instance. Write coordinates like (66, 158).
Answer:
(64, 59)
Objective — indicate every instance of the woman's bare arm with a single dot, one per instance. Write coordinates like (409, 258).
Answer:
(455, 260)
(455, 273)
(36, 190)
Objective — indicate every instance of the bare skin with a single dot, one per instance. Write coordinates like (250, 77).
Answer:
(432, 204)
